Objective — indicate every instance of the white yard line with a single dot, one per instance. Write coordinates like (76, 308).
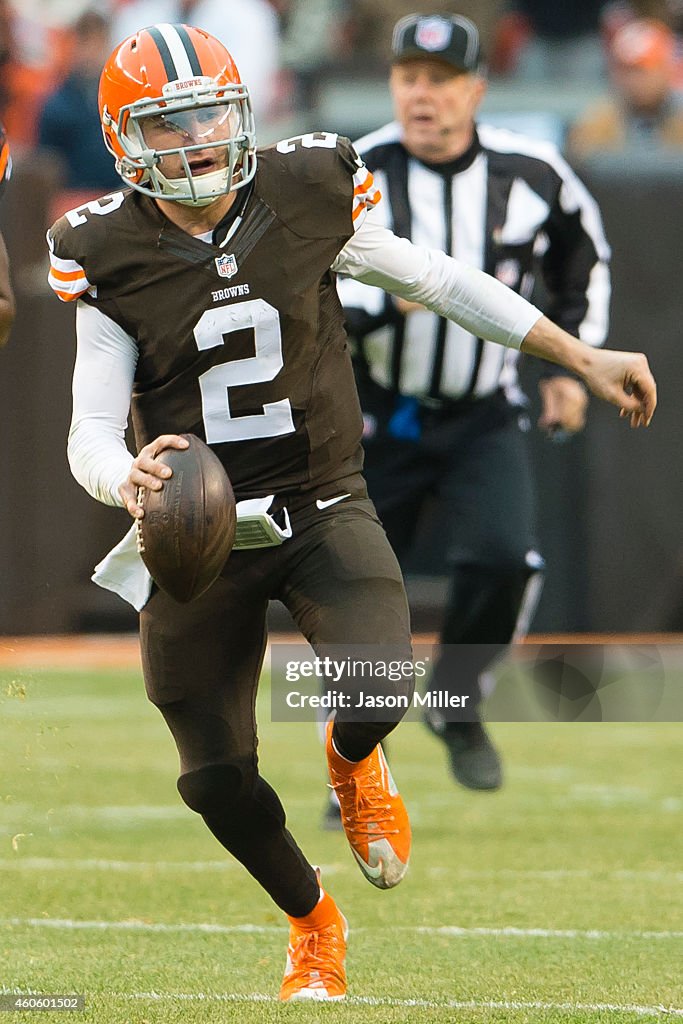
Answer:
(125, 866)
(133, 926)
(448, 931)
(542, 933)
(422, 1004)
(425, 1004)
(120, 813)
(130, 866)
(559, 874)
(208, 866)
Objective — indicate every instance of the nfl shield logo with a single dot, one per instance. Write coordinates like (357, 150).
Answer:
(433, 34)
(226, 265)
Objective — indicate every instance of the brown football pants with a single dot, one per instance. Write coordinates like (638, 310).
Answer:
(340, 580)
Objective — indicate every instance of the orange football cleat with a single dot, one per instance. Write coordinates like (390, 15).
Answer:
(373, 814)
(316, 954)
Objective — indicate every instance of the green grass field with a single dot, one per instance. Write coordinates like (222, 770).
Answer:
(557, 899)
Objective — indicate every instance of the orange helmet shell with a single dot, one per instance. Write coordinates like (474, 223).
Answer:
(143, 64)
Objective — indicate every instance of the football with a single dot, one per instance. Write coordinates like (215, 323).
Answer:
(188, 529)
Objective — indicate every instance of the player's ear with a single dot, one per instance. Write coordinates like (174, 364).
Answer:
(480, 85)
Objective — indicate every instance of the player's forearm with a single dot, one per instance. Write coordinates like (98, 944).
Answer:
(548, 341)
(98, 458)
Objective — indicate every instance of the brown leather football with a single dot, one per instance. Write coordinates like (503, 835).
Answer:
(188, 528)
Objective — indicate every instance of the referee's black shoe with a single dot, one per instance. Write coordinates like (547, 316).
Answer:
(473, 759)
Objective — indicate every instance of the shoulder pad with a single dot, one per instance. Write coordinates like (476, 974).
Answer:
(316, 183)
(75, 242)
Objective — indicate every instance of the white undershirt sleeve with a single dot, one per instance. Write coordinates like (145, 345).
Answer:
(106, 357)
(476, 301)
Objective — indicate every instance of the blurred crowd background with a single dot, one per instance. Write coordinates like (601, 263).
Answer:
(570, 72)
(554, 69)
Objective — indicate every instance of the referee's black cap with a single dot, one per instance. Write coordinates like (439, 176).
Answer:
(448, 37)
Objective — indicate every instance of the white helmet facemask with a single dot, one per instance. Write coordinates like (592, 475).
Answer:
(193, 145)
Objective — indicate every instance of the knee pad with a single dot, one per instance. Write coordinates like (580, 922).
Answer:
(217, 786)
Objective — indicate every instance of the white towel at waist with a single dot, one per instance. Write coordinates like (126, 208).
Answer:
(123, 571)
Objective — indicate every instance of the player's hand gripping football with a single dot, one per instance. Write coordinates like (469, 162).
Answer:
(146, 471)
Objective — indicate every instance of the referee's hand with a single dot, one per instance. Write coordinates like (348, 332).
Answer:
(564, 405)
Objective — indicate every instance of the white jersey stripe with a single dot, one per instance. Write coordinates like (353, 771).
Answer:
(366, 195)
(389, 133)
(526, 213)
(574, 196)
(469, 192)
(426, 197)
(178, 53)
(66, 266)
(593, 330)
(75, 287)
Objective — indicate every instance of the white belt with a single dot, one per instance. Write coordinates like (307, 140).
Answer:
(256, 528)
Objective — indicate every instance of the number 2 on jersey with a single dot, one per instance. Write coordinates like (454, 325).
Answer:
(219, 424)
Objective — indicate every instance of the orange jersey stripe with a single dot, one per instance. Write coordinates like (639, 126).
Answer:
(363, 204)
(69, 296)
(365, 187)
(4, 159)
(69, 275)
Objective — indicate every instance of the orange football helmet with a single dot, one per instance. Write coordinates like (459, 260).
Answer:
(176, 116)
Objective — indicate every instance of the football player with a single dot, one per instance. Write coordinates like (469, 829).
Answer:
(6, 295)
(207, 305)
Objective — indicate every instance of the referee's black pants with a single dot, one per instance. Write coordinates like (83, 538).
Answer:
(473, 457)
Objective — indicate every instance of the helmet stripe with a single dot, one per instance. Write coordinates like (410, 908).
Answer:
(165, 53)
(189, 49)
(176, 62)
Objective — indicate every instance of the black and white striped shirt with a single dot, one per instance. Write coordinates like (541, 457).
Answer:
(503, 204)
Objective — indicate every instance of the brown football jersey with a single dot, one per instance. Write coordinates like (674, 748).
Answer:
(242, 344)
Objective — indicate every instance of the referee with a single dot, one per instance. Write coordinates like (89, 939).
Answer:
(444, 413)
